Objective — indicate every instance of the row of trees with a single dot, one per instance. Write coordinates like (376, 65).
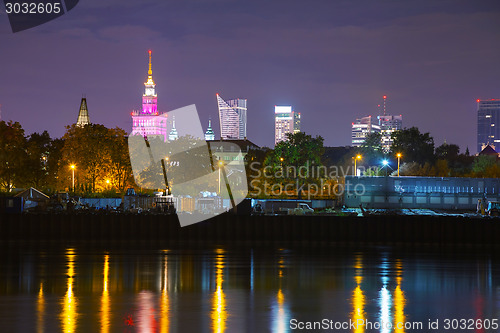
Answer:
(420, 157)
(324, 167)
(99, 155)
(101, 159)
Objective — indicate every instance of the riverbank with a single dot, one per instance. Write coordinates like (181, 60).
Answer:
(228, 228)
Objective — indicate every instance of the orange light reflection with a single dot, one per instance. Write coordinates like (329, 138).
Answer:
(358, 298)
(219, 311)
(164, 302)
(105, 306)
(69, 313)
(40, 310)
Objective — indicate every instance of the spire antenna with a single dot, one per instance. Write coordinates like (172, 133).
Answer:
(385, 98)
(150, 71)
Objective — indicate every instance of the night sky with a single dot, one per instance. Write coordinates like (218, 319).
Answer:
(331, 60)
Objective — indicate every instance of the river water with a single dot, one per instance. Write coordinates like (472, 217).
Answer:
(156, 288)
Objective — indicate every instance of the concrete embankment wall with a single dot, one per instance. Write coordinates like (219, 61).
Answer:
(420, 192)
(249, 229)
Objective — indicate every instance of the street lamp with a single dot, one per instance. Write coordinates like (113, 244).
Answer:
(398, 155)
(385, 163)
(221, 164)
(72, 166)
(358, 157)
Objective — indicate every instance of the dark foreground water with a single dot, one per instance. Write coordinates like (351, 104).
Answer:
(148, 288)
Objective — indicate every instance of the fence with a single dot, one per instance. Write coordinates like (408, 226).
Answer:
(419, 192)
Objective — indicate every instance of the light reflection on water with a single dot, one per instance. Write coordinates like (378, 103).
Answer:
(358, 298)
(105, 306)
(70, 302)
(219, 311)
(40, 309)
(164, 305)
(226, 290)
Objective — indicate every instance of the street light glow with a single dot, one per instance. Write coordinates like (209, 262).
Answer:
(72, 166)
(356, 158)
(399, 158)
(385, 162)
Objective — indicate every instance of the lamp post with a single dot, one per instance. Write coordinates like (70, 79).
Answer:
(221, 164)
(399, 157)
(358, 157)
(167, 185)
(72, 166)
(385, 163)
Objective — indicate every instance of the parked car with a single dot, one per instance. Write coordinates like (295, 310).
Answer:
(301, 209)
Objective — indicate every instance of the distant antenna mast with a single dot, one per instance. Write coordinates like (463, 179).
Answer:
(385, 97)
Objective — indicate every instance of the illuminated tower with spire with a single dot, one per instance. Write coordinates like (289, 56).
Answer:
(209, 134)
(146, 122)
(173, 132)
(150, 99)
(83, 115)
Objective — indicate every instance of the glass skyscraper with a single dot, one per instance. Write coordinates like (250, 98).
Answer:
(488, 122)
(362, 127)
(232, 118)
(388, 125)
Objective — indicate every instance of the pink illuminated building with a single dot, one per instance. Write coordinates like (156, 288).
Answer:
(146, 122)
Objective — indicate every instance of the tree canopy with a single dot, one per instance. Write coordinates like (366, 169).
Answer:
(100, 156)
(13, 155)
(413, 145)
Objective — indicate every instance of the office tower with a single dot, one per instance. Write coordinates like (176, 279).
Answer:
(232, 118)
(388, 125)
(146, 122)
(285, 121)
(83, 115)
(209, 134)
(488, 123)
(362, 127)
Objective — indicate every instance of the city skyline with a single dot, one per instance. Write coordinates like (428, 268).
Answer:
(428, 57)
